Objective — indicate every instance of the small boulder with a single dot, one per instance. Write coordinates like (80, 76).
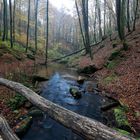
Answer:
(38, 78)
(35, 113)
(75, 93)
(88, 70)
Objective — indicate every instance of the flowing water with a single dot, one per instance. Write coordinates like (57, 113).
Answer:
(57, 91)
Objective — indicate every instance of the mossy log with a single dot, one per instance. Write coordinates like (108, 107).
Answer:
(88, 128)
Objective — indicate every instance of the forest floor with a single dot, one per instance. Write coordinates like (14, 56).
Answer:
(119, 73)
(14, 65)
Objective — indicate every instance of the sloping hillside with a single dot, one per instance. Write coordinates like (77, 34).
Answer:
(119, 73)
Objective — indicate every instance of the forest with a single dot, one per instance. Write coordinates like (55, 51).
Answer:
(69, 69)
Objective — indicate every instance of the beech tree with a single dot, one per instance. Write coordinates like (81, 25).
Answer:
(11, 25)
(5, 21)
(120, 13)
(47, 30)
(36, 23)
(28, 25)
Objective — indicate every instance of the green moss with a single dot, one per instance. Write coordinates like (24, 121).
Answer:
(123, 132)
(16, 51)
(114, 55)
(110, 79)
(121, 119)
(16, 102)
(112, 64)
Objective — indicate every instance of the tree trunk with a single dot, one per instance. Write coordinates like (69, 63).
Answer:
(104, 17)
(1, 15)
(80, 24)
(128, 17)
(36, 21)
(14, 10)
(99, 18)
(120, 10)
(84, 126)
(86, 27)
(11, 24)
(135, 16)
(5, 21)
(28, 26)
(47, 31)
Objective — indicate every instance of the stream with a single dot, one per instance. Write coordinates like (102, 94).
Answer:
(57, 91)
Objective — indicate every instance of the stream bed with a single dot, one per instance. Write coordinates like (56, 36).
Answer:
(57, 91)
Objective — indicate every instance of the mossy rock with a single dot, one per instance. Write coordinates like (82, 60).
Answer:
(39, 78)
(23, 126)
(88, 70)
(121, 119)
(30, 56)
(35, 113)
(75, 93)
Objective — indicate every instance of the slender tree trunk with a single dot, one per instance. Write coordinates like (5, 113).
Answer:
(78, 13)
(104, 17)
(36, 21)
(47, 31)
(28, 26)
(11, 24)
(95, 22)
(128, 17)
(19, 21)
(99, 18)
(135, 16)
(86, 26)
(14, 8)
(120, 10)
(5, 24)
(1, 15)
(6, 20)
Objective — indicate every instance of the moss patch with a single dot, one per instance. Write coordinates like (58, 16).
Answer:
(123, 132)
(114, 55)
(121, 119)
(112, 64)
(110, 79)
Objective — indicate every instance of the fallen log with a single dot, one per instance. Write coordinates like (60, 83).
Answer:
(6, 131)
(88, 128)
(78, 51)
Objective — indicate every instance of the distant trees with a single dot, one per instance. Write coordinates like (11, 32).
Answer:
(28, 23)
